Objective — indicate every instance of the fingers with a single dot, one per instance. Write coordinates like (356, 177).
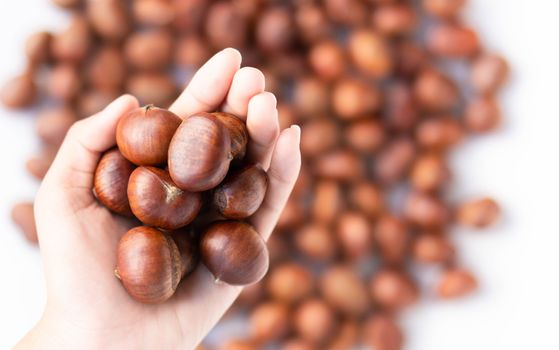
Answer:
(209, 86)
(283, 172)
(247, 82)
(86, 140)
(263, 127)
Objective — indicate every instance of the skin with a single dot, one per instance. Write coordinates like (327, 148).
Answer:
(87, 307)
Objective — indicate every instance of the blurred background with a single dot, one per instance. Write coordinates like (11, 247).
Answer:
(514, 261)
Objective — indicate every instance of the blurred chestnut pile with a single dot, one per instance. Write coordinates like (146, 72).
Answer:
(372, 84)
(163, 172)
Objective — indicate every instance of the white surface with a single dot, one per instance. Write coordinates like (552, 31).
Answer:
(517, 306)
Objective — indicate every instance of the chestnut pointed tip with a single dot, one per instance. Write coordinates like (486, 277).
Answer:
(117, 274)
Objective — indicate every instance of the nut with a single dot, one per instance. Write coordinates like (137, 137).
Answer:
(479, 213)
(23, 216)
(110, 182)
(344, 290)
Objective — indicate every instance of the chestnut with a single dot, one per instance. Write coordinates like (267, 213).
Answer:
(53, 124)
(65, 82)
(439, 133)
(19, 92)
(189, 15)
(394, 160)
(368, 198)
(456, 283)
(152, 88)
(153, 12)
(202, 149)
(224, 27)
(353, 98)
(432, 248)
(479, 213)
(156, 201)
(37, 47)
(241, 193)
(23, 216)
(311, 22)
(310, 97)
(93, 101)
(328, 60)
(410, 58)
(150, 264)
(269, 321)
(328, 201)
(341, 165)
(110, 182)
(143, 135)
(434, 91)
(452, 41)
(347, 336)
(488, 73)
(234, 252)
(192, 51)
(290, 283)
(320, 135)
(443, 8)
(149, 50)
(315, 321)
(251, 295)
(344, 290)
(425, 210)
(401, 112)
(370, 53)
(381, 332)
(316, 242)
(109, 19)
(292, 216)
(73, 44)
(429, 172)
(365, 136)
(392, 237)
(107, 69)
(482, 115)
(67, 3)
(348, 12)
(355, 235)
(38, 165)
(274, 30)
(393, 289)
(394, 19)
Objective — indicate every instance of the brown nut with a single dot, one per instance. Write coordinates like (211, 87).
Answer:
(370, 53)
(110, 182)
(479, 213)
(143, 135)
(237, 132)
(319, 136)
(341, 165)
(443, 8)
(107, 69)
(316, 242)
(434, 91)
(344, 290)
(346, 337)
(312, 23)
(274, 30)
(150, 264)
(368, 198)
(292, 216)
(192, 51)
(315, 321)
(73, 44)
(425, 210)
(382, 333)
(439, 133)
(241, 193)
(149, 50)
(53, 124)
(153, 12)
(452, 41)
(223, 26)
(393, 162)
(488, 73)
(349, 12)
(156, 201)
(327, 202)
(93, 101)
(429, 172)
(269, 321)
(109, 19)
(19, 92)
(432, 248)
(391, 236)
(37, 47)
(394, 19)
(365, 136)
(38, 165)
(251, 295)
(352, 98)
(65, 82)
(310, 97)
(328, 60)
(392, 289)
(152, 88)
(401, 112)
(289, 283)
(482, 115)
(355, 235)
(202, 150)
(456, 283)
(234, 253)
(67, 3)
(189, 14)
(23, 216)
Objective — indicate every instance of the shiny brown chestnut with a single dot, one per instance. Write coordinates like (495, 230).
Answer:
(110, 182)
(22, 215)
(269, 321)
(234, 252)
(344, 290)
(157, 201)
(19, 92)
(143, 135)
(241, 193)
(151, 264)
(202, 149)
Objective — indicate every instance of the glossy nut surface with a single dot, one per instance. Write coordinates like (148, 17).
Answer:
(157, 201)
(143, 135)
(111, 182)
(234, 252)
(241, 193)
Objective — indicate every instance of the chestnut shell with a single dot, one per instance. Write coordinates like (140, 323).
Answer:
(157, 201)
(234, 252)
(143, 135)
(200, 153)
(111, 182)
(241, 193)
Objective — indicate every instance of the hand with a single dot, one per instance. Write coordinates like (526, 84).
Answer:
(87, 307)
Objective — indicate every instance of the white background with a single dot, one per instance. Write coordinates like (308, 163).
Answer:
(517, 306)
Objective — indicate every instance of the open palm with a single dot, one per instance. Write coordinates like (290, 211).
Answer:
(87, 307)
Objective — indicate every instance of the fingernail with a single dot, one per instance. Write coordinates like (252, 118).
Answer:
(297, 131)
